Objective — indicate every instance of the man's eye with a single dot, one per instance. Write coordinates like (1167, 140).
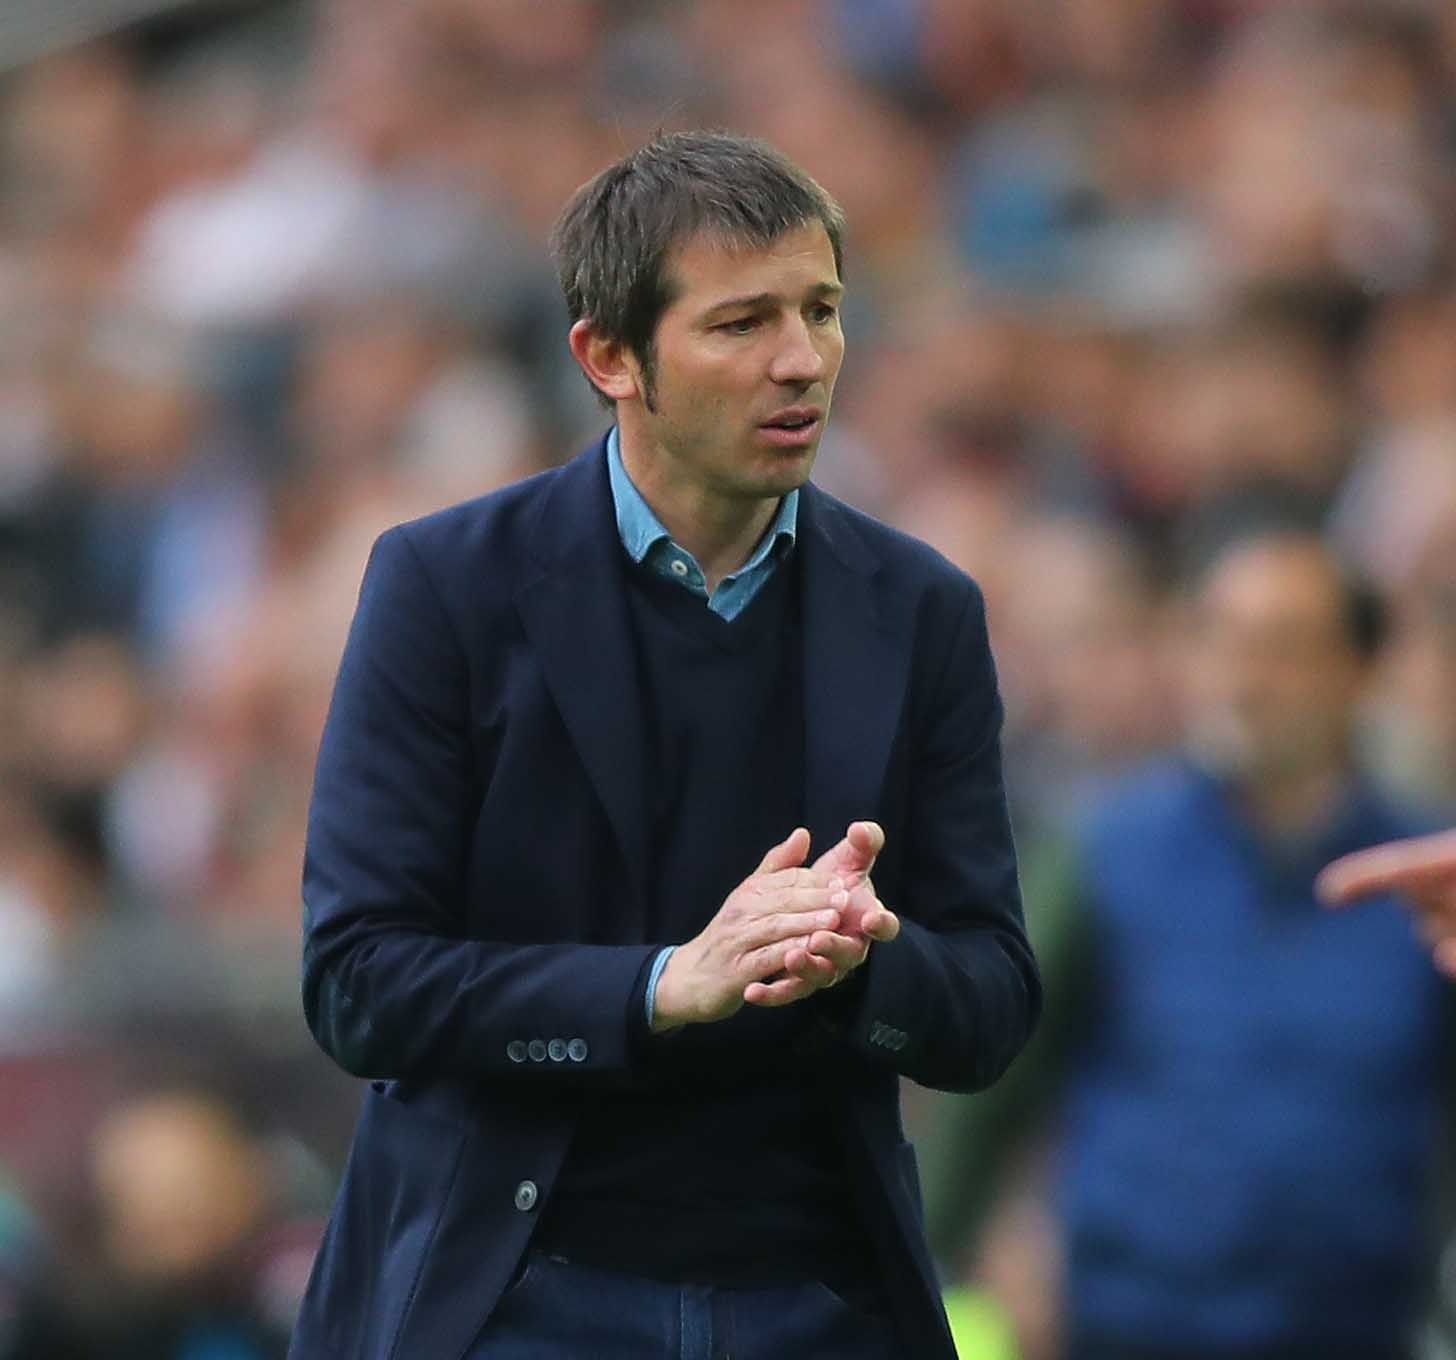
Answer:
(741, 325)
(824, 313)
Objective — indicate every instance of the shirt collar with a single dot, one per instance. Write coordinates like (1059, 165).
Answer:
(640, 529)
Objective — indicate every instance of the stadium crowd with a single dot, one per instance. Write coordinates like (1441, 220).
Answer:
(1124, 275)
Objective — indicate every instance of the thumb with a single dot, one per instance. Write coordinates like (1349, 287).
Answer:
(787, 854)
(855, 853)
(868, 839)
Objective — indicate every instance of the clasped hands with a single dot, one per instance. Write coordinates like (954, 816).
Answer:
(787, 931)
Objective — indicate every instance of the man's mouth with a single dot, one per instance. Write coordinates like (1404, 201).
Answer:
(793, 427)
(794, 418)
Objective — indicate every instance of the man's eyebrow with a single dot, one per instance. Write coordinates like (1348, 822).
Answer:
(750, 301)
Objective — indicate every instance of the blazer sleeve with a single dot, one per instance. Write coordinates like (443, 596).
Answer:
(956, 995)
(392, 985)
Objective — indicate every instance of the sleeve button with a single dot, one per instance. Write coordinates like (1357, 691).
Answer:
(556, 1050)
(537, 1049)
(577, 1050)
(526, 1196)
(516, 1051)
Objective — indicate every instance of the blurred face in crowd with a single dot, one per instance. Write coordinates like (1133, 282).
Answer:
(744, 362)
(1088, 626)
(1272, 674)
(180, 1187)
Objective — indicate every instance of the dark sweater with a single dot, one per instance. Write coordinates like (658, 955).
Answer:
(726, 1170)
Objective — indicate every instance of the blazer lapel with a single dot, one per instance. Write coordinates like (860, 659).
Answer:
(857, 649)
(575, 614)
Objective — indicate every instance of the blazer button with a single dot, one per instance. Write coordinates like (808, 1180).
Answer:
(556, 1050)
(516, 1051)
(577, 1050)
(526, 1196)
(537, 1049)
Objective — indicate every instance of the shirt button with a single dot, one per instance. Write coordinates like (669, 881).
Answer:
(556, 1050)
(679, 567)
(516, 1051)
(526, 1196)
(537, 1049)
(577, 1050)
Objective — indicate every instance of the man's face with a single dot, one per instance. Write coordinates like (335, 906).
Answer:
(744, 362)
(1272, 675)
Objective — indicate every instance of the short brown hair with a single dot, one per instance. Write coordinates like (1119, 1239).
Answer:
(612, 242)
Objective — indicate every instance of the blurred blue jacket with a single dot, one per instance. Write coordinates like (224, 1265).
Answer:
(1252, 1119)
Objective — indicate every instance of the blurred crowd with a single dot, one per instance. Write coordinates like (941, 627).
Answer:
(275, 277)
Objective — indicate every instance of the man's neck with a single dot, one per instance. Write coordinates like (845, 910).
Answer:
(1295, 807)
(721, 532)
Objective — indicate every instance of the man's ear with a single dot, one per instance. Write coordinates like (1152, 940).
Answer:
(606, 363)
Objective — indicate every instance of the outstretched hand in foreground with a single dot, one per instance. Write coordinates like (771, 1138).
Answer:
(1421, 869)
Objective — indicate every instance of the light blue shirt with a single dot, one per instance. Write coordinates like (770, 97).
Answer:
(646, 540)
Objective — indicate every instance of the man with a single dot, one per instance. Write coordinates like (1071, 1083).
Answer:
(606, 712)
(1422, 869)
(1251, 1086)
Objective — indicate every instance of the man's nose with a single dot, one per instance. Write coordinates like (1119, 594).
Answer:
(797, 359)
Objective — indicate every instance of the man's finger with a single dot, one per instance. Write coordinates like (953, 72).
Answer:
(881, 924)
(855, 853)
(778, 993)
(788, 853)
(840, 951)
(1356, 876)
(784, 925)
(811, 965)
(796, 876)
(1419, 862)
(772, 959)
(867, 838)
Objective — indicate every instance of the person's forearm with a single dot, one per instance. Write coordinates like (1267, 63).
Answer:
(388, 1001)
(949, 1011)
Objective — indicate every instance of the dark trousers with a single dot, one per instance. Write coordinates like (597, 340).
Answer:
(558, 1310)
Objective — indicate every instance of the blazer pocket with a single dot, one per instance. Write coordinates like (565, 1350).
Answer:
(910, 1174)
(448, 1102)
(401, 1173)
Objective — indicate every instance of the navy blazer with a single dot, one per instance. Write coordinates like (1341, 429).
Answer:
(476, 876)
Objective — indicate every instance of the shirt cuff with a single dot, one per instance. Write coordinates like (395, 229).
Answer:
(658, 964)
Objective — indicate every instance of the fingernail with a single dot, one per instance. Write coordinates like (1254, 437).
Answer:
(836, 885)
(827, 918)
(840, 899)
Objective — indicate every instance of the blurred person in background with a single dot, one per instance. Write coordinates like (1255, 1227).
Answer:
(1401, 491)
(1083, 640)
(53, 900)
(570, 717)
(1412, 735)
(1317, 153)
(186, 1253)
(1421, 869)
(1085, 647)
(1249, 1087)
(151, 525)
(1250, 402)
